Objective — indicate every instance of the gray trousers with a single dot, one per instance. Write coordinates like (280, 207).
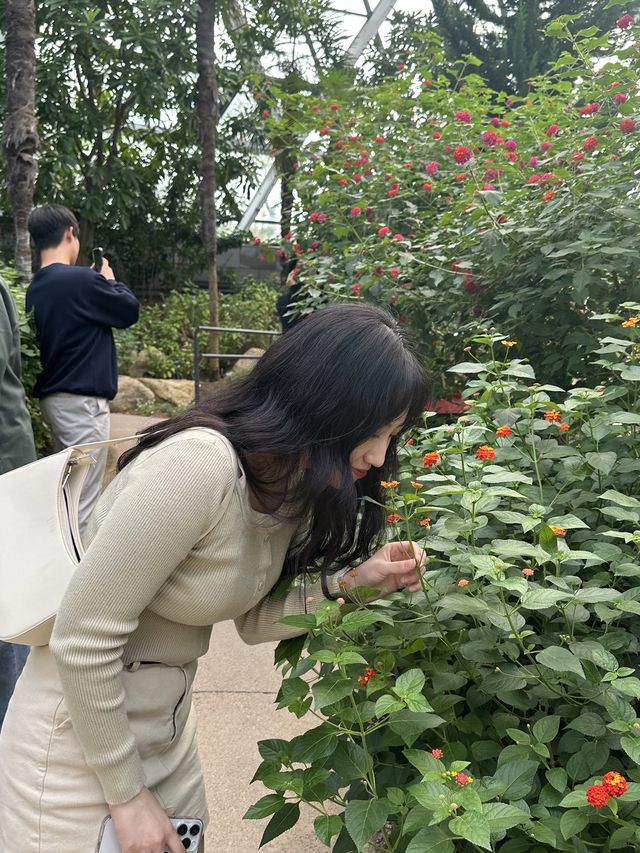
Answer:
(74, 419)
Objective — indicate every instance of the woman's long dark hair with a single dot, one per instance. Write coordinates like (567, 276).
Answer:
(326, 386)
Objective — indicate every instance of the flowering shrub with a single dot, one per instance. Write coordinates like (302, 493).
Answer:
(520, 211)
(495, 710)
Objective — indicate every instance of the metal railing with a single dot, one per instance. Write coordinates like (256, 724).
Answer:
(198, 356)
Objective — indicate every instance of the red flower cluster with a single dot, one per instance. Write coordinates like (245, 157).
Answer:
(504, 432)
(485, 453)
(511, 145)
(429, 460)
(619, 98)
(627, 125)
(356, 289)
(366, 676)
(462, 154)
(427, 187)
(625, 21)
(490, 138)
(384, 231)
(463, 116)
(437, 754)
(597, 796)
(462, 779)
(613, 785)
(393, 518)
(552, 130)
(590, 143)
(432, 168)
(355, 211)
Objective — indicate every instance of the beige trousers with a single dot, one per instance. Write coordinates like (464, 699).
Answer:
(50, 800)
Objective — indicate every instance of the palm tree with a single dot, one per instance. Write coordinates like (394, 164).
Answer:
(20, 139)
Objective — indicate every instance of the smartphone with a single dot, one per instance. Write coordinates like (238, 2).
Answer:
(189, 831)
(98, 257)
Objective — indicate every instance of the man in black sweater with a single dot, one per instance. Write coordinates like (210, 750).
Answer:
(75, 309)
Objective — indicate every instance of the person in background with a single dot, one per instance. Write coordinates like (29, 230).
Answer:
(287, 299)
(75, 309)
(16, 448)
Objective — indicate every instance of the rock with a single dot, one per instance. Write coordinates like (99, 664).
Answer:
(139, 366)
(178, 392)
(245, 365)
(131, 394)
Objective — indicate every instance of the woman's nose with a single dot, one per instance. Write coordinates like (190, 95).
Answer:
(376, 453)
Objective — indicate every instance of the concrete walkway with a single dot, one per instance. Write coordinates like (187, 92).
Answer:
(234, 699)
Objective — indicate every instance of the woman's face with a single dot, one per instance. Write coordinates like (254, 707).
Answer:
(373, 451)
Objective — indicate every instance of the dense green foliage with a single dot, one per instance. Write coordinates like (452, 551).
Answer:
(508, 36)
(165, 330)
(453, 205)
(476, 714)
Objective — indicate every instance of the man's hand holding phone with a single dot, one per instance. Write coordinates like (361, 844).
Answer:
(101, 264)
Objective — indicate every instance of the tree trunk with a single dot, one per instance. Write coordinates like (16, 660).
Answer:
(20, 134)
(87, 240)
(207, 106)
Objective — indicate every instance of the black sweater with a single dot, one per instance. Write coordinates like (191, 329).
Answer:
(74, 309)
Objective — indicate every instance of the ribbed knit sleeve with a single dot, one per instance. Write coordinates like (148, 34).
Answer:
(261, 624)
(171, 498)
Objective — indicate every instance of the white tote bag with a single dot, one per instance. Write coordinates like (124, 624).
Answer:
(40, 545)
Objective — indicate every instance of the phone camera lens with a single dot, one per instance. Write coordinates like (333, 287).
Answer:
(186, 843)
(182, 829)
(195, 829)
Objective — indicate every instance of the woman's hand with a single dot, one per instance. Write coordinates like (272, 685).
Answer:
(142, 826)
(395, 566)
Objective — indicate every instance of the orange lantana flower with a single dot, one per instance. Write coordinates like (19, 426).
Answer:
(553, 416)
(393, 518)
(486, 453)
(558, 531)
(504, 432)
(430, 459)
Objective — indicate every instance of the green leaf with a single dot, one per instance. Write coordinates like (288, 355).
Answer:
(502, 816)
(364, 817)
(568, 522)
(619, 498)
(628, 686)
(387, 705)
(546, 728)
(468, 367)
(543, 833)
(557, 778)
(411, 681)
(264, 807)
(560, 660)
(431, 839)
(326, 826)
(537, 598)
(522, 371)
(410, 724)
(574, 800)
(463, 604)
(423, 761)
(474, 827)
(589, 724)
(283, 820)
(603, 462)
(358, 619)
(631, 373)
(572, 822)
(631, 746)
(330, 689)
(302, 620)
(313, 745)
(593, 651)
(518, 777)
